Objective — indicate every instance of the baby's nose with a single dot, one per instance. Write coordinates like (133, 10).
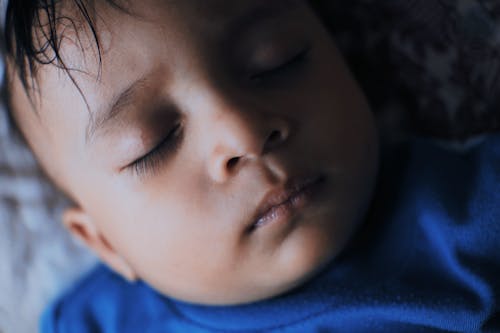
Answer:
(243, 135)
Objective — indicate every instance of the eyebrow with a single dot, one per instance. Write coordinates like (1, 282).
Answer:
(102, 118)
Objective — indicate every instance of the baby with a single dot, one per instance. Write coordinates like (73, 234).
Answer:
(219, 156)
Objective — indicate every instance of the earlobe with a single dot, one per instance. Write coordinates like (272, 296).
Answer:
(82, 227)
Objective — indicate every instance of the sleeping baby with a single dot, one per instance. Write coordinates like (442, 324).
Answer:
(223, 164)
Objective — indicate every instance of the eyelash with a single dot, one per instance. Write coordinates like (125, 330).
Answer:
(296, 60)
(151, 161)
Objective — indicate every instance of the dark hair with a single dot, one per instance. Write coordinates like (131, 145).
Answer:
(32, 37)
(25, 19)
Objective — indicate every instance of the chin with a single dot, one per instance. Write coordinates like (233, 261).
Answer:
(259, 287)
(304, 254)
(297, 266)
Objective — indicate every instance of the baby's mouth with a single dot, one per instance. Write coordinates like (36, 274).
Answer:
(282, 203)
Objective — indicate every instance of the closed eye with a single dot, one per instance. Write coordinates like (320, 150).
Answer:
(291, 63)
(151, 161)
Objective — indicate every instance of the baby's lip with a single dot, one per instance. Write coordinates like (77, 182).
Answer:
(277, 196)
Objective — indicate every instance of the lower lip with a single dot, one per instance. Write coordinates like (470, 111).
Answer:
(284, 212)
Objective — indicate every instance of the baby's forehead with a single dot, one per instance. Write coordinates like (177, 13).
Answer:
(113, 37)
(89, 35)
(88, 46)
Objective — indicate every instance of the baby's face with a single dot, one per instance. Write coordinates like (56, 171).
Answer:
(201, 111)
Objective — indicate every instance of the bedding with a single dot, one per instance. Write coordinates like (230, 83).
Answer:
(429, 68)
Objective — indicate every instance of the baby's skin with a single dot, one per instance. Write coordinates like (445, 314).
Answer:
(218, 150)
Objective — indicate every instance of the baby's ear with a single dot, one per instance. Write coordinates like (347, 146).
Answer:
(81, 226)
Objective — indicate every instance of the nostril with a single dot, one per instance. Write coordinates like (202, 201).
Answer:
(274, 136)
(232, 162)
(274, 139)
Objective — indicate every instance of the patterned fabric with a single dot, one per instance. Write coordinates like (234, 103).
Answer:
(431, 67)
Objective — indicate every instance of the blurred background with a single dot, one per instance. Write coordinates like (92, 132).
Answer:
(37, 257)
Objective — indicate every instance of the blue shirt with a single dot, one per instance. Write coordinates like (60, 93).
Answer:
(426, 260)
